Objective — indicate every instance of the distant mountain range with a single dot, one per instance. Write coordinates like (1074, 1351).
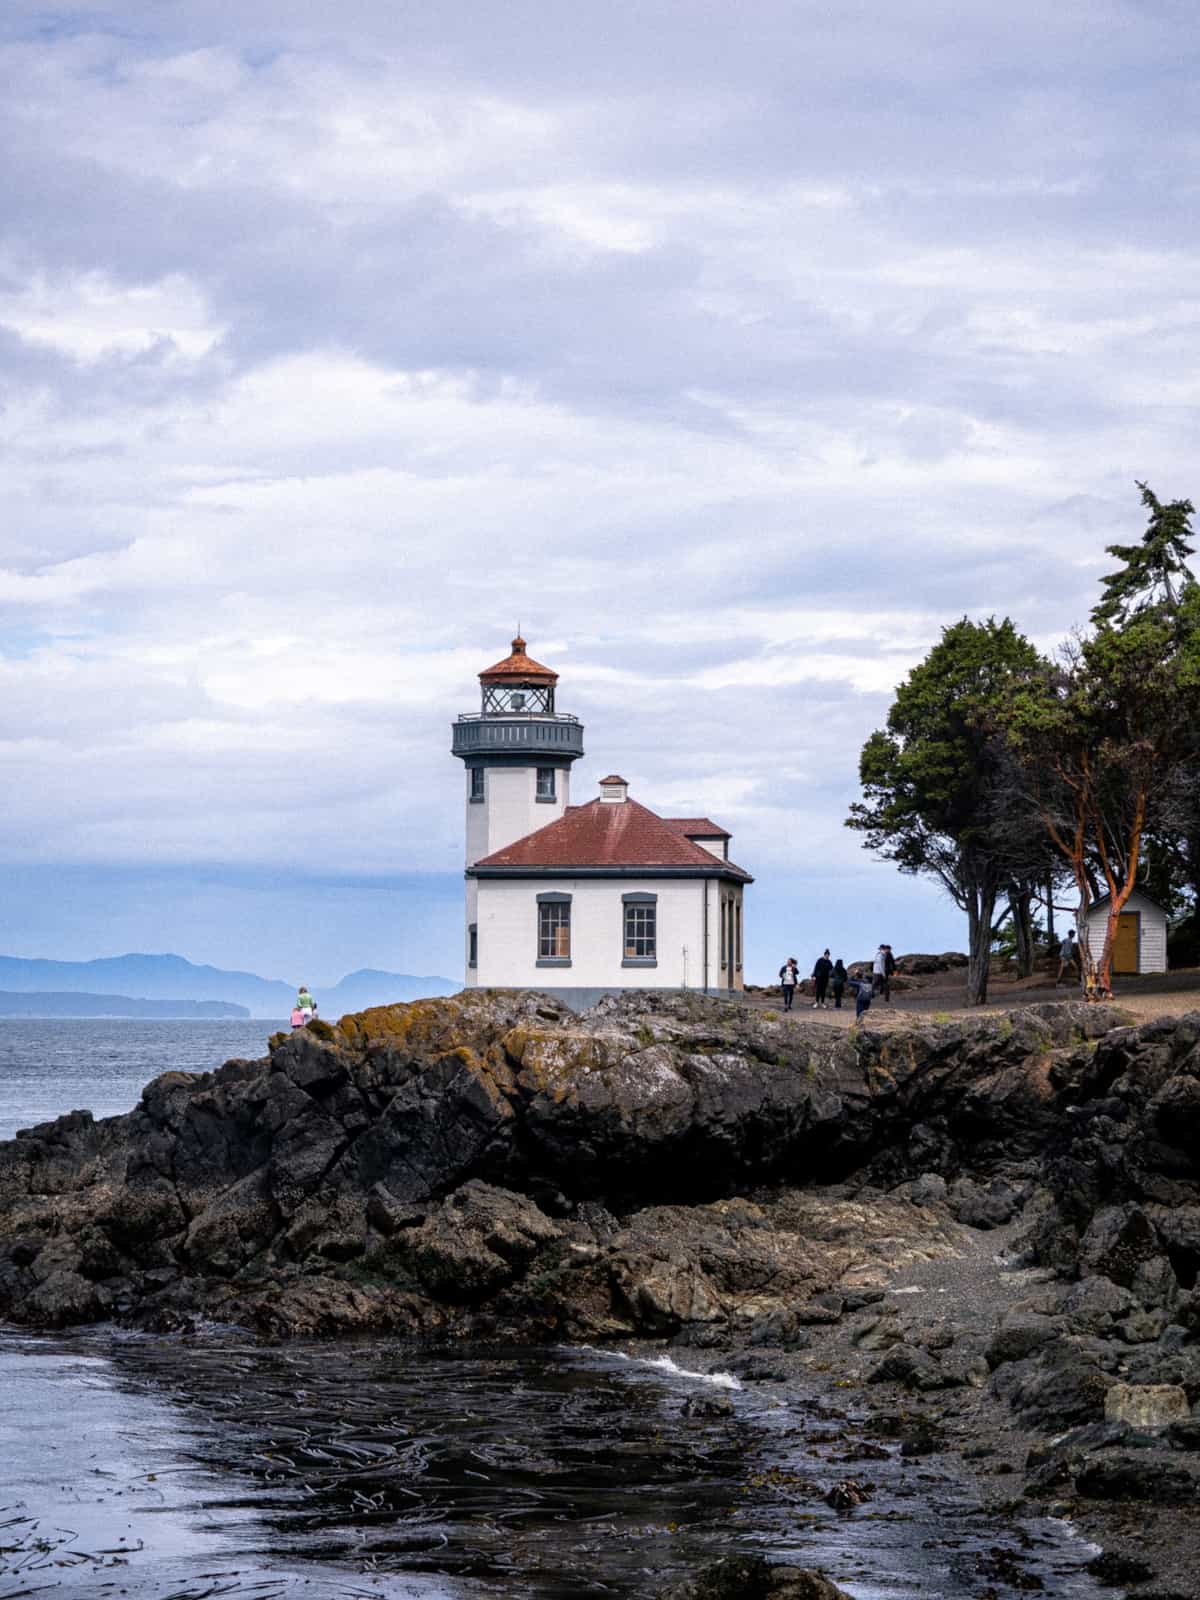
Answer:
(39, 1003)
(170, 978)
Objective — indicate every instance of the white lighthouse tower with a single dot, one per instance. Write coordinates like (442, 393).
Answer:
(517, 752)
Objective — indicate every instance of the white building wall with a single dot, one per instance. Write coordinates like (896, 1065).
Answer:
(1152, 941)
(510, 808)
(470, 973)
(507, 919)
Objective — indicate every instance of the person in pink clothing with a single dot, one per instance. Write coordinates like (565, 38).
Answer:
(298, 1018)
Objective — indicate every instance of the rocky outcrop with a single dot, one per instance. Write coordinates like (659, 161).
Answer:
(752, 1578)
(493, 1162)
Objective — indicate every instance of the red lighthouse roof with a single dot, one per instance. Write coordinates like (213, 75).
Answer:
(598, 835)
(518, 667)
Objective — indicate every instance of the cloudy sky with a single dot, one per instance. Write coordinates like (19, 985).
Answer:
(732, 350)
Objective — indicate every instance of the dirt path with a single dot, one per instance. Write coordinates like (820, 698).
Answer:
(940, 998)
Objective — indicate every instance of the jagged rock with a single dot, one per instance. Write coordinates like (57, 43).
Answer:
(1138, 1477)
(1020, 1337)
(1057, 1389)
(978, 1206)
(913, 1368)
(707, 1405)
(1146, 1405)
(753, 1578)
(580, 1176)
(1093, 1305)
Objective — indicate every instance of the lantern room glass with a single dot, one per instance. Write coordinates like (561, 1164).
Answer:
(518, 699)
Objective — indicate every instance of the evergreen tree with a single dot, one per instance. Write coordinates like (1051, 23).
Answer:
(1154, 573)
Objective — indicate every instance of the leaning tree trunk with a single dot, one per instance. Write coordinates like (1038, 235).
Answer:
(980, 907)
(1021, 904)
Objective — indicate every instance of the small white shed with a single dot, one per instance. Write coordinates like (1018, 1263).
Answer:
(1141, 941)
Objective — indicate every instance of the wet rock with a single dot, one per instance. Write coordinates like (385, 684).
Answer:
(65, 1297)
(1138, 1477)
(847, 1494)
(759, 1369)
(1113, 1568)
(753, 1578)
(472, 1245)
(1059, 1388)
(916, 1369)
(707, 1406)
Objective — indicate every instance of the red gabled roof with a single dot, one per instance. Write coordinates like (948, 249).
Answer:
(520, 666)
(603, 834)
(697, 828)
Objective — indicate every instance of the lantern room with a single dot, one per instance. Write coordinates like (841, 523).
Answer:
(518, 685)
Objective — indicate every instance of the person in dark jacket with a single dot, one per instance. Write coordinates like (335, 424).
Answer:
(889, 968)
(863, 989)
(837, 982)
(820, 974)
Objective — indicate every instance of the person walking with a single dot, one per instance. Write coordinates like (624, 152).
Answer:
(820, 973)
(1068, 957)
(837, 983)
(879, 970)
(889, 967)
(789, 977)
(864, 989)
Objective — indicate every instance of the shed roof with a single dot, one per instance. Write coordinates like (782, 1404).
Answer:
(1105, 898)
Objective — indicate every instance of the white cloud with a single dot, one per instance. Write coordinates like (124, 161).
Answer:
(88, 316)
(733, 360)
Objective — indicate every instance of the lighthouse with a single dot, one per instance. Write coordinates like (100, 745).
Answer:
(581, 900)
(517, 752)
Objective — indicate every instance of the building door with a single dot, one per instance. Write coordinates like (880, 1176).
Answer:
(1125, 945)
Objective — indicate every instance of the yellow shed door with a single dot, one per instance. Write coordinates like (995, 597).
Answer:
(1125, 945)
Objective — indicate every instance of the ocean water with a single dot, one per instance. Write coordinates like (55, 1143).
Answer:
(79, 1064)
(181, 1468)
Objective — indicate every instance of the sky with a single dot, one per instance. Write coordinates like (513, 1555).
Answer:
(732, 350)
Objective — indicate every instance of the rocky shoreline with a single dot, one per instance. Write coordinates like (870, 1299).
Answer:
(988, 1234)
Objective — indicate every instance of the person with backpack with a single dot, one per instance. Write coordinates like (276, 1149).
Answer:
(837, 982)
(864, 989)
(820, 973)
(789, 977)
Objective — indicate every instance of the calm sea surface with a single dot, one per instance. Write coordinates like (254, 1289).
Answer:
(183, 1468)
(75, 1063)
